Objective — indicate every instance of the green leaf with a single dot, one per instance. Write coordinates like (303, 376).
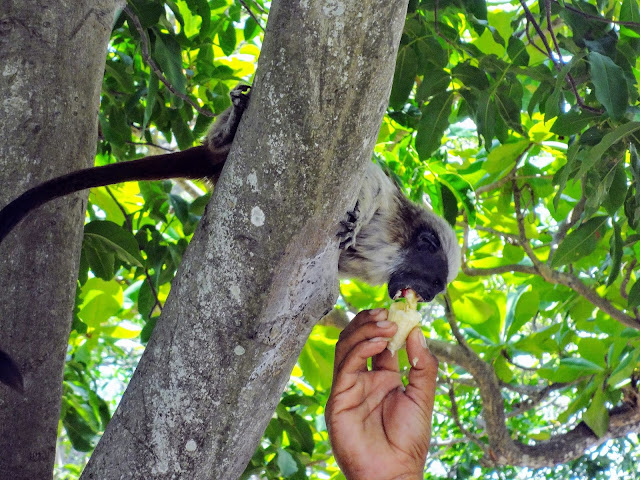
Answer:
(570, 370)
(502, 369)
(434, 121)
(615, 251)
(517, 52)
(116, 239)
(152, 92)
(579, 243)
(630, 12)
(146, 299)
(303, 434)
(228, 38)
(147, 330)
(617, 191)
(168, 54)
(250, 28)
(521, 308)
(434, 81)
(573, 122)
(449, 204)
(286, 463)
(470, 76)
(504, 156)
(462, 190)
(593, 349)
(610, 139)
(634, 295)
(625, 367)
(486, 117)
(404, 77)
(101, 261)
(99, 309)
(596, 416)
(610, 84)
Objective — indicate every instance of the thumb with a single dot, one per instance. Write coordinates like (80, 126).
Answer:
(423, 372)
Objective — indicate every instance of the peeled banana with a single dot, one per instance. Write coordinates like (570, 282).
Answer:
(405, 315)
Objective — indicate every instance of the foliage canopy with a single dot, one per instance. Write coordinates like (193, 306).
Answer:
(517, 121)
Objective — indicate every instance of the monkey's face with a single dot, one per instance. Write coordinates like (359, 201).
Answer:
(424, 266)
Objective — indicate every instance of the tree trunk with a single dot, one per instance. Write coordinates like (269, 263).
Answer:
(51, 63)
(262, 266)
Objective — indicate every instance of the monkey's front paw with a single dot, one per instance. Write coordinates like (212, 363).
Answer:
(347, 234)
(240, 96)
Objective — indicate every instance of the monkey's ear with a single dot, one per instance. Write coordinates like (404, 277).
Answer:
(10, 373)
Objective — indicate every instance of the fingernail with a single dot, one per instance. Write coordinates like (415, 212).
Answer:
(376, 312)
(414, 362)
(384, 324)
(423, 341)
(379, 339)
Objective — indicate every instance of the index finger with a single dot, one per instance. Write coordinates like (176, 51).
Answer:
(424, 371)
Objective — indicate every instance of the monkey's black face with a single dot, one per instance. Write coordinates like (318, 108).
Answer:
(424, 267)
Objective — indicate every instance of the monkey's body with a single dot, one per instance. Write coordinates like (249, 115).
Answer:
(385, 239)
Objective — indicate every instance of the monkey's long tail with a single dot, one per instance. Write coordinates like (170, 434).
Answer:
(196, 162)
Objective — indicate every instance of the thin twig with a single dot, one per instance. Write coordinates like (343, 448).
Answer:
(144, 42)
(253, 15)
(598, 19)
(456, 418)
(509, 176)
(531, 42)
(627, 276)
(451, 318)
(508, 236)
(259, 7)
(550, 54)
(523, 240)
(127, 219)
(565, 226)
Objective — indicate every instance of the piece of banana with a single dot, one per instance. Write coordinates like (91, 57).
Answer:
(405, 315)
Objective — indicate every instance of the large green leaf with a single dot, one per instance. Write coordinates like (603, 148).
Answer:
(434, 121)
(579, 243)
(597, 416)
(115, 239)
(616, 135)
(610, 84)
(168, 54)
(404, 77)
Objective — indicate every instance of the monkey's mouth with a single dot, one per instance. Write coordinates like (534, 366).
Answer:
(423, 288)
(403, 291)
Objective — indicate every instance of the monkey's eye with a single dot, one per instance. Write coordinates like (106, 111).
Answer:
(428, 240)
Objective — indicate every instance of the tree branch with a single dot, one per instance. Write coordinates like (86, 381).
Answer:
(503, 450)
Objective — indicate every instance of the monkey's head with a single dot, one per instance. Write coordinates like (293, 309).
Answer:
(406, 246)
(428, 257)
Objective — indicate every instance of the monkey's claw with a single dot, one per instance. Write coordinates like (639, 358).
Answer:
(347, 234)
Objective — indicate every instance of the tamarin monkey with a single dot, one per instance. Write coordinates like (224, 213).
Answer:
(384, 239)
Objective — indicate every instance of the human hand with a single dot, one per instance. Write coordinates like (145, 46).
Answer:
(378, 429)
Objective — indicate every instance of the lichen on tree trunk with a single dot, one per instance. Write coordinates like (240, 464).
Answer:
(262, 266)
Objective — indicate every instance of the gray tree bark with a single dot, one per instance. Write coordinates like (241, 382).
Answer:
(262, 266)
(51, 68)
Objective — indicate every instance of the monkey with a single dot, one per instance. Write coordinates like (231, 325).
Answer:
(386, 238)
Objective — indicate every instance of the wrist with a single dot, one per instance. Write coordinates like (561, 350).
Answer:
(404, 476)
